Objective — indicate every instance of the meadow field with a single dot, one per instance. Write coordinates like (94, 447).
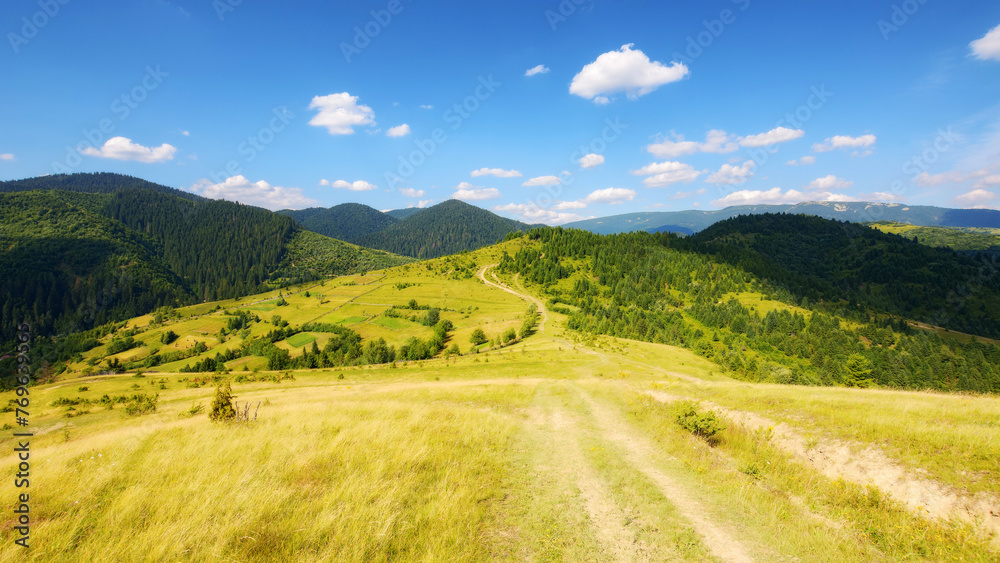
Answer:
(558, 447)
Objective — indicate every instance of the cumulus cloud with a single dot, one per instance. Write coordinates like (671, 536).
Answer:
(540, 69)
(543, 181)
(120, 148)
(357, 186)
(977, 199)
(426, 106)
(802, 161)
(845, 142)
(262, 194)
(830, 182)
(410, 192)
(467, 192)
(498, 172)
(6, 156)
(592, 160)
(398, 131)
(340, 113)
(988, 181)
(533, 213)
(927, 179)
(716, 141)
(611, 196)
(564, 205)
(988, 46)
(666, 173)
(626, 70)
(772, 137)
(775, 196)
(730, 174)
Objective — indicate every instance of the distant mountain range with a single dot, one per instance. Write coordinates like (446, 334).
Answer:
(688, 222)
(446, 228)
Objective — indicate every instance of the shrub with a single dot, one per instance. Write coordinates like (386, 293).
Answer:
(141, 404)
(478, 337)
(703, 424)
(222, 405)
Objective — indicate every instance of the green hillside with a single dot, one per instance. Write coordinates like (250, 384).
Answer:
(818, 259)
(657, 289)
(348, 221)
(446, 228)
(962, 239)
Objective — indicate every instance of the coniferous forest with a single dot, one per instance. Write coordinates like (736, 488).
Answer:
(665, 289)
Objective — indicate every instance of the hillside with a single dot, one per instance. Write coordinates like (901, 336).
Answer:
(660, 288)
(64, 268)
(446, 228)
(961, 239)
(858, 212)
(565, 445)
(403, 213)
(348, 221)
(818, 259)
(170, 251)
(91, 183)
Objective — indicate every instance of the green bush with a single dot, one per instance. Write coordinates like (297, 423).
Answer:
(141, 404)
(703, 424)
(222, 405)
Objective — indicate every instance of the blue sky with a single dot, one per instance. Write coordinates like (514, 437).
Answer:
(629, 105)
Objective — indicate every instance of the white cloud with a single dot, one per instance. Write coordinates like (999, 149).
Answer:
(540, 69)
(775, 196)
(410, 192)
(6, 156)
(262, 194)
(730, 174)
(467, 192)
(667, 173)
(987, 47)
(977, 199)
(802, 161)
(358, 186)
(564, 205)
(927, 180)
(625, 70)
(426, 106)
(772, 137)
(498, 172)
(716, 141)
(543, 181)
(340, 113)
(882, 197)
(398, 131)
(845, 142)
(988, 181)
(592, 160)
(424, 203)
(120, 148)
(830, 182)
(186, 133)
(611, 196)
(533, 213)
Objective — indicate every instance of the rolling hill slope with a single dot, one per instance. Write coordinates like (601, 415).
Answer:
(446, 228)
(348, 221)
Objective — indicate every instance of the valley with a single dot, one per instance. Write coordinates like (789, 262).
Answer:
(560, 445)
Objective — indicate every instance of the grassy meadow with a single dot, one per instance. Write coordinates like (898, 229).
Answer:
(559, 447)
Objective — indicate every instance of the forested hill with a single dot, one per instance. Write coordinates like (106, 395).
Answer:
(446, 228)
(92, 183)
(64, 267)
(820, 259)
(347, 221)
(658, 288)
(71, 260)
